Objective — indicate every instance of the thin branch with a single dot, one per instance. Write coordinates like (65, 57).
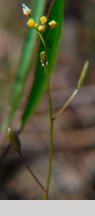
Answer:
(31, 172)
(65, 105)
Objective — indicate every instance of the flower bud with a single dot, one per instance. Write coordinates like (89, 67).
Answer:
(26, 10)
(31, 23)
(36, 25)
(43, 20)
(13, 140)
(53, 24)
(41, 28)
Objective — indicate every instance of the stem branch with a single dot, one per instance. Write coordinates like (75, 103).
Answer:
(65, 105)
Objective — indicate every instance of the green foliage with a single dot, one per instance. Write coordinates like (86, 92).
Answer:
(52, 39)
(24, 64)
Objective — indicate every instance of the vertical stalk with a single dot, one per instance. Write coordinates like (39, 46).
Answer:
(51, 138)
(51, 120)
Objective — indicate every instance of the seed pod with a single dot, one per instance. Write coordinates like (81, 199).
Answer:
(43, 58)
(13, 140)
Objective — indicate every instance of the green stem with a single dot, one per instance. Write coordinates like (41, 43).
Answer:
(51, 122)
(51, 139)
(42, 39)
(51, 130)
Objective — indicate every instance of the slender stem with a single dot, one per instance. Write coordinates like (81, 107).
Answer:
(32, 173)
(51, 122)
(65, 105)
(42, 39)
(44, 44)
(51, 138)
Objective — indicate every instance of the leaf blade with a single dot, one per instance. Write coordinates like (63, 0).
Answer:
(53, 42)
(24, 64)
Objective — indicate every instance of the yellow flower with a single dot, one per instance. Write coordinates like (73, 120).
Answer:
(43, 20)
(36, 25)
(53, 24)
(41, 28)
(26, 10)
(31, 23)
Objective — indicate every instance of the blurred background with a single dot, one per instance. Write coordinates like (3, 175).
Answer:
(73, 174)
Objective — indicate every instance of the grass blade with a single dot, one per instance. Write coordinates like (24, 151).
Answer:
(52, 38)
(24, 64)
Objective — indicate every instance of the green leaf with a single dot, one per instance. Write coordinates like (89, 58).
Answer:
(52, 38)
(24, 64)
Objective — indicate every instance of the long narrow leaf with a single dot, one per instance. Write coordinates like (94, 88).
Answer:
(25, 63)
(52, 38)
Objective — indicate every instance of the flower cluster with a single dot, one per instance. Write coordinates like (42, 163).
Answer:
(31, 23)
